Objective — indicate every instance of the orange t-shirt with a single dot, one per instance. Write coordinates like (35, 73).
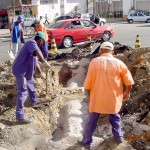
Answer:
(41, 28)
(105, 78)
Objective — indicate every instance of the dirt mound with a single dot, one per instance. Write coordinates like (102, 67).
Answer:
(53, 117)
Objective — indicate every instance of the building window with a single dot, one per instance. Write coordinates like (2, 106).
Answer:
(26, 2)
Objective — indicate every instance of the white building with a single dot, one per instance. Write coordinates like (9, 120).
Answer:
(118, 8)
(59, 7)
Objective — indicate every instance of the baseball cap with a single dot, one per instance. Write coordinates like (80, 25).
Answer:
(107, 45)
(21, 18)
(41, 35)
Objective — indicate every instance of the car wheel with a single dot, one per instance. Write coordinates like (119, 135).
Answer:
(106, 36)
(130, 21)
(148, 20)
(102, 23)
(67, 42)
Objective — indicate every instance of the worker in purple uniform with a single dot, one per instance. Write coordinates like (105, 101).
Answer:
(23, 69)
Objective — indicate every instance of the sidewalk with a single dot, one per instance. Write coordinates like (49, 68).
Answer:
(4, 33)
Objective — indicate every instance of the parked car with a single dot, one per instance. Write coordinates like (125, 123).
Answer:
(28, 21)
(97, 19)
(138, 17)
(68, 32)
(63, 18)
(94, 18)
(85, 16)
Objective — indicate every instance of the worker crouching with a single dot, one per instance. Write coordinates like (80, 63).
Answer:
(23, 69)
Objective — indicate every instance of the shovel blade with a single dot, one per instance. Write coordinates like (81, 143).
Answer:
(11, 55)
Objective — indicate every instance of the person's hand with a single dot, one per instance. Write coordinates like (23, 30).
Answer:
(46, 65)
(42, 75)
(126, 95)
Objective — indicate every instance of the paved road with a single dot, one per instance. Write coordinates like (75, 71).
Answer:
(124, 33)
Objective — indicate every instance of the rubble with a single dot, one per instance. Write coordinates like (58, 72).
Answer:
(59, 121)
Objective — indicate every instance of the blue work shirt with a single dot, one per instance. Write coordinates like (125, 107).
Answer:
(16, 32)
(25, 62)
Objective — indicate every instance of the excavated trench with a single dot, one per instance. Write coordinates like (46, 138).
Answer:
(60, 119)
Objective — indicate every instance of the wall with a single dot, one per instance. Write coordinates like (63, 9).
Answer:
(78, 5)
(4, 4)
(127, 6)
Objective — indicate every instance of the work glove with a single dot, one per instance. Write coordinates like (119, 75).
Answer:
(42, 76)
(46, 65)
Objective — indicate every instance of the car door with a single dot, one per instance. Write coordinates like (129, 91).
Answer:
(134, 16)
(141, 17)
(77, 31)
(91, 29)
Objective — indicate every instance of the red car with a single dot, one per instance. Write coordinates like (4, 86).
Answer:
(71, 31)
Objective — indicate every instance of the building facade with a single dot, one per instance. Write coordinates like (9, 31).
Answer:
(55, 8)
(118, 8)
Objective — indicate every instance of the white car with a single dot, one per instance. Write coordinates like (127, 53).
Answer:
(94, 18)
(97, 19)
(28, 21)
(138, 17)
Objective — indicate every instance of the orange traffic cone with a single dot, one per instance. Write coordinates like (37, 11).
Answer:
(53, 46)
(89, 38)
(137, 42)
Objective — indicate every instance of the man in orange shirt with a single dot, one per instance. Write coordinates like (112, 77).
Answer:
(104, 85)
(40, 27)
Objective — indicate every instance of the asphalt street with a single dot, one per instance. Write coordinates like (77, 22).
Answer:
(124, 33)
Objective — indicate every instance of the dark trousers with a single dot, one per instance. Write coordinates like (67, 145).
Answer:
(115, 121)
(44, 50)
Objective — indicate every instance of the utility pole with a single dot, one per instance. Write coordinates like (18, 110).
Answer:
(109, 4)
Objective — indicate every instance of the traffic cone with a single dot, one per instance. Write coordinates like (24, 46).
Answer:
(53, 46)
(137, 42)
(89, 38)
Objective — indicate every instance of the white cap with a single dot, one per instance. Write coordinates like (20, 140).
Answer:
(107, 45)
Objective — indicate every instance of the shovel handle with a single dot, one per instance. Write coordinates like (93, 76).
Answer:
(46, 82)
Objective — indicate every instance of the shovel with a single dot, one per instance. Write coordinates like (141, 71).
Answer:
(46, 82)
(10, 53)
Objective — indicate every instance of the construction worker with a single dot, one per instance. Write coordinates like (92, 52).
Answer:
(104, 85)
(23, 69)
(16, 35)
(40, 27)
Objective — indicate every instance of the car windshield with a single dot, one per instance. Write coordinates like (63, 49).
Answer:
(57, 25)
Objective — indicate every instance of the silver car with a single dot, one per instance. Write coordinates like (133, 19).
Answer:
(138, 17)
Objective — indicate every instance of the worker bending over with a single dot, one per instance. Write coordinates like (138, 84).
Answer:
(23, 69)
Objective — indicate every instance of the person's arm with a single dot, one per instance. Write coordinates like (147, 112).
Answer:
(88, 94)
(40, 55)
(126, 93)
(38, 68)
(41, 58)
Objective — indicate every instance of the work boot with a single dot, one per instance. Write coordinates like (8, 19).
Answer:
(24, 121)
(83, 145)
(38, 101)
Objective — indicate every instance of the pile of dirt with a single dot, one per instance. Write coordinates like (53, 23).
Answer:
(55, 126)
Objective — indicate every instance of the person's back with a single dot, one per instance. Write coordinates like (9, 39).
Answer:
(24, 58)
(16, 28)
(107, 73)
(40, 27)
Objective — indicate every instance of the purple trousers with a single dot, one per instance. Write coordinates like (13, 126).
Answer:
(22, 86)
(44, 50)
(115, 121)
